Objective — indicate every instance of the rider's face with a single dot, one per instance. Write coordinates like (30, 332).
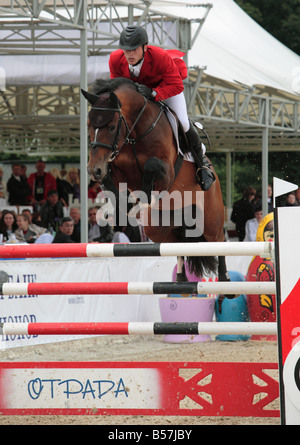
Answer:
(134, 55)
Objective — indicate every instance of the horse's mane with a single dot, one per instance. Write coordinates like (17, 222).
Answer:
(100, 86)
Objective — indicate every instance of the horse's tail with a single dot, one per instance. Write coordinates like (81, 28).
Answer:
(202, 265)
(199, 265)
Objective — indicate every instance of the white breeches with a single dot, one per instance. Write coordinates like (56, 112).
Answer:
(178, 104)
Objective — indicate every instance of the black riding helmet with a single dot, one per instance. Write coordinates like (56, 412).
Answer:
(132, 37)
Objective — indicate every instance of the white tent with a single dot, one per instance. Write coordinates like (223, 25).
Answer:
(235, 48)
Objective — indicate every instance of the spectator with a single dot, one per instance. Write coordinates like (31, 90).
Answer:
(8, 224)
(40, 184)
(27, 232)
(120, 236)
(269, 201)
(34, 218)
(133, 233)
(242, 210)
(23, 171)
(252, 224)
(51, 212)
(290, 200)
(95, 232)
(75, 215)
(2, 186)
(66, 227)
(63, 173)
(64, 188)
(93, 190)
(73, 179)
(29, 214)
(17, 187)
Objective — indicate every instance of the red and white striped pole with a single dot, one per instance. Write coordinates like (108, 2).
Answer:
(136, 288)
(78, 250)
(139, 328)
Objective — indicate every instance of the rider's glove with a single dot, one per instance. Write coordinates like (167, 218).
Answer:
(146, 91)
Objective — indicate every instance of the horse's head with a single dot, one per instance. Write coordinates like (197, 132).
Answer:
(105, 130)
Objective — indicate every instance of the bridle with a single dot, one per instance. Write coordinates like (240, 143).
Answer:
(114, 146)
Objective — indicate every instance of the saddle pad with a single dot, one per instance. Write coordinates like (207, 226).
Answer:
(174, 125)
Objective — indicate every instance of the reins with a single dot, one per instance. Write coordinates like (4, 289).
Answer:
(114, 147)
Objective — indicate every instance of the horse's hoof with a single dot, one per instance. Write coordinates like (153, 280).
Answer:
(181, 278)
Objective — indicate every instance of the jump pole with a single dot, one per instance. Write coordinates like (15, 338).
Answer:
(135, 288)
(140, 328)
(79, 250)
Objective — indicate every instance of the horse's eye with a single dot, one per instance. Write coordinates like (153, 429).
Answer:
(112, 128)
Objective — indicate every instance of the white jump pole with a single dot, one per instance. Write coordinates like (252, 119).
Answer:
(139, 328)
(263, 249)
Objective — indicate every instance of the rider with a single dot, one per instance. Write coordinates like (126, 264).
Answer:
(158, 79)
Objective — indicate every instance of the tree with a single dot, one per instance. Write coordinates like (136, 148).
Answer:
(282, 20)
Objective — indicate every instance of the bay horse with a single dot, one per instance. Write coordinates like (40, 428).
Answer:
(133, 142)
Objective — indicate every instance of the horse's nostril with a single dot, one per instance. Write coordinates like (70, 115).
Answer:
(98, 173)
(95, 173)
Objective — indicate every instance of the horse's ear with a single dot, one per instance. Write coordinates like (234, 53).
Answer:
(114, 100)
(91, 98)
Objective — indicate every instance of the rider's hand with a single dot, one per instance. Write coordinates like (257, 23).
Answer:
(145, 91)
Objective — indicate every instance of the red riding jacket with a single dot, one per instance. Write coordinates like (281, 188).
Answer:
(159, 71)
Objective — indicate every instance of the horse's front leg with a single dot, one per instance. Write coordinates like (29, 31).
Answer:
(155, 175)
(181, 275)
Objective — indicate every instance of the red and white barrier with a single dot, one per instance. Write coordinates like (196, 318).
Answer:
(77, 250)
(132, 288)
(139, 328)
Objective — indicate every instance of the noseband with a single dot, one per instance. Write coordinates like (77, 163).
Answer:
(114, 147)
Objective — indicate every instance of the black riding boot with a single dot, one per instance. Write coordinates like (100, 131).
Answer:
(205, 177)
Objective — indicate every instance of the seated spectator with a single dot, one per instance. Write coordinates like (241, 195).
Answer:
(29, 214)
(252, 224)
(34, 218)
(51, 212)
(40, 184)
(75, 215)
(8, 224)
(73, 179)
(66, 227)
(17, 187)
(27, 232)
(95, 232)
